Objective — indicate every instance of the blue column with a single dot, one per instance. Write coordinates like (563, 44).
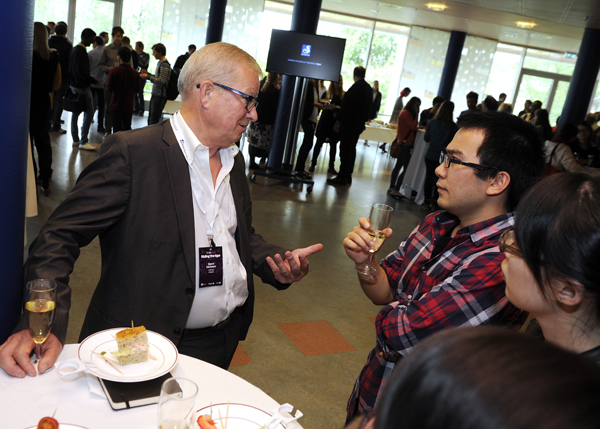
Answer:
(583, 80)
(14, 111)
(216, 21)
(455, 47)
(305, 19)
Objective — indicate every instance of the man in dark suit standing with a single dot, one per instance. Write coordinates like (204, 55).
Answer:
(350, 123)
(171, 206)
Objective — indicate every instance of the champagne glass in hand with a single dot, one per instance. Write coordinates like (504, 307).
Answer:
(380, 218)
(39, 308)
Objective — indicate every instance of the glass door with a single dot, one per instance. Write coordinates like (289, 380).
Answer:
(550, 88)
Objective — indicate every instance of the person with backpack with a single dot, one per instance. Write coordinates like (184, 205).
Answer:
(159, 80)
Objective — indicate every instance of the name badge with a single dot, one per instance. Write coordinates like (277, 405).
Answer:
(211, 266)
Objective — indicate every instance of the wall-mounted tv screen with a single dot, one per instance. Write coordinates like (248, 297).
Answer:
(306, 55)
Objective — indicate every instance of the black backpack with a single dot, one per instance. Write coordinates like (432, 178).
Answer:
(172, 91)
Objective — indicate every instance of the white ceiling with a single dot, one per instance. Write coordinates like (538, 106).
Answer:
(560, 23)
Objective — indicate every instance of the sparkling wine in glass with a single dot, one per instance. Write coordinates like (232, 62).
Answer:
(380, 218)
(39, 308)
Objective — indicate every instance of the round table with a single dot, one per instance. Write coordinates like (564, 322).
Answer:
(23, 402)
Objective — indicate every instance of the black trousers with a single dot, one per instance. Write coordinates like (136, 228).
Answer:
(216, 347)
(121, 120)
(348, 141)
(38, 130)
(431, 193)
(157, 104)
(98, 95)
(309, 135)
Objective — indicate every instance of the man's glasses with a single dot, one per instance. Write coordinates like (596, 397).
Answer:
(251, 102)
(447, 160)
(508, 243)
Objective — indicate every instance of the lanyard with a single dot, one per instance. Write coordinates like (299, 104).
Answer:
(208, 206)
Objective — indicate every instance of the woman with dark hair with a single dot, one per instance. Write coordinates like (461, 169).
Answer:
(542, 124)
(551, 267)
(490, 378)
(440, 131)
(408, 122)
(335, 95)
(45, 64)
(260, 133)
(583, 147)
(559, 154)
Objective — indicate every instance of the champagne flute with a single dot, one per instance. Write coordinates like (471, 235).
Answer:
(380, 218)
(39, 308)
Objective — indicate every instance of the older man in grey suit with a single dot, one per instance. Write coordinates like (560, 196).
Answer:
(164, 199)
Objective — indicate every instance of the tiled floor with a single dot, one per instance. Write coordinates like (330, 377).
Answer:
(307, 344)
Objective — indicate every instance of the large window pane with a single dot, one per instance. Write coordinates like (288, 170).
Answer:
(504, 73)
(552, 62)
(51, 10)
(276, 16)
(473, 72)
(424, 62)
(385, 63)
(534, 88)
(357, 32)
(560, 95)
(142, 22)
(95, 14)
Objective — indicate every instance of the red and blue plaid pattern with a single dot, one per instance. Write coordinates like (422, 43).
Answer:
(461, 286)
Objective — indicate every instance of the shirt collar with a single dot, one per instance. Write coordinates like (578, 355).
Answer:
(190, 143)
(481, 231)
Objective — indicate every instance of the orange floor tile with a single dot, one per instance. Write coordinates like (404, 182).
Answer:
(240, 357)
(316, 338)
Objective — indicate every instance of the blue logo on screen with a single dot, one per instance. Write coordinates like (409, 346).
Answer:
(306, 50)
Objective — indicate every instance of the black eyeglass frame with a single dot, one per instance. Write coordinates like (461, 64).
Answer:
(513, 249)
(251, 102)
(446, 160)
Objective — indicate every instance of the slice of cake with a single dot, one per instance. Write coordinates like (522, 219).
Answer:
(133, 345)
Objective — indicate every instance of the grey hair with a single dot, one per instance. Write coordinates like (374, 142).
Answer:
(217, 62)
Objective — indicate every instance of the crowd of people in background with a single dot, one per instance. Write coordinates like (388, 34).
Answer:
(107, 78)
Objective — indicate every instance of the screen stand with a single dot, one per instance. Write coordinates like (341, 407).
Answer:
(286, 174)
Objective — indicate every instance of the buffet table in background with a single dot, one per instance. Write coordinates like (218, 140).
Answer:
(23, 402)
(378, 133)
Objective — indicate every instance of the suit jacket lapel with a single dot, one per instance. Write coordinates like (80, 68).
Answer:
(181, 186)
(241, 234)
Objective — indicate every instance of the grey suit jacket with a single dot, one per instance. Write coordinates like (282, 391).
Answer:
(137, 198)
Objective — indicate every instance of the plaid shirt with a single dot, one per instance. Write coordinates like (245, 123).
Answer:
(461, 286)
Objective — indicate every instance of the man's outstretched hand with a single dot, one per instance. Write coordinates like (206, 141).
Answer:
(294, 266)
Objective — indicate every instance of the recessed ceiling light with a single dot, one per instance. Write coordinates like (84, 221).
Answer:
(511, 35)
(528, 25)
(374, 11)
(436, 7)
(388, 5)
(541, 36)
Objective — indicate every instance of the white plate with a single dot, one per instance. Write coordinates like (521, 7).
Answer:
(240, 416)
(105, 341)
(62, 426)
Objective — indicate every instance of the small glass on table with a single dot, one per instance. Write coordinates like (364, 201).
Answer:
(380, 218)
(177, 403)
(39, 308)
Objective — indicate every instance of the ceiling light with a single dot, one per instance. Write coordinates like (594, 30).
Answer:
(511, 35)
(374, 11)
(527, 25)
(436, 7)
(541, 36)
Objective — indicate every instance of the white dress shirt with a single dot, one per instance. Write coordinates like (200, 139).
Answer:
(214, 214)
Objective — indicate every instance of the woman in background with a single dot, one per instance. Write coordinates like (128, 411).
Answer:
(551, 267)
(584, 148)
(440, 131)
(408, 122)
(260, 133)
(44, 67)
(335, 95)
(542, 124)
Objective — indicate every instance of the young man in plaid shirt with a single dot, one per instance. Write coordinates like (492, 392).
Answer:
(446, 273)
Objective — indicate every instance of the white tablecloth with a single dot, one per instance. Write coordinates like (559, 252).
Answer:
(414, 179)
(378, 134)
(23, 402)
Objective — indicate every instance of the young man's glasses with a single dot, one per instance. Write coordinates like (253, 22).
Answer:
(508, 243)
(447, 160)
(251, 102)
